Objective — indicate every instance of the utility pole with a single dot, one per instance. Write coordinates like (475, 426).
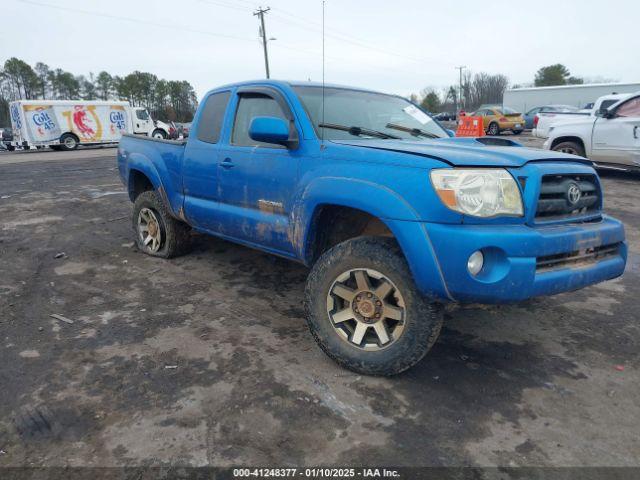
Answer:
(260, 13)
(460, 94)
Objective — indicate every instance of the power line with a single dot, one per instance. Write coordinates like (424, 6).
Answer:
(136, 20)
(260, 13)
(346, 38)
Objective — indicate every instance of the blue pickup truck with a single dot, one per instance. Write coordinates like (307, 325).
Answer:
(392, 215)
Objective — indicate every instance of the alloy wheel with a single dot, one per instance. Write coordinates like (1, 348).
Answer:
(366, 309)
(149, 229)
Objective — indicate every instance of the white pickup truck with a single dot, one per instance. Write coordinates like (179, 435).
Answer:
(610, 137)
(543, 121)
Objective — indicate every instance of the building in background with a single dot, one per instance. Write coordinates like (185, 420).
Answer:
(524, 99)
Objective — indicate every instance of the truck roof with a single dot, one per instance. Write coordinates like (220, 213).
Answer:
(290, 83)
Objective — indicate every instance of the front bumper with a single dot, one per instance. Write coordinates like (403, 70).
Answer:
(512, 254)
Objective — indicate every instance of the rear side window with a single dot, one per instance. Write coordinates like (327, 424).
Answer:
(212, 116)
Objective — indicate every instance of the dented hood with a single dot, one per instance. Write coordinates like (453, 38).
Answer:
(469, 152)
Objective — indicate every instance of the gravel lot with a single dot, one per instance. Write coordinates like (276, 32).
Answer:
(206, 360)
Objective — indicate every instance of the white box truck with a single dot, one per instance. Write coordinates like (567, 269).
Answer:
(65, 124)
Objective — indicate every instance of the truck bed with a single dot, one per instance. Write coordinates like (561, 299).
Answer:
(152, 139)
(547, 119)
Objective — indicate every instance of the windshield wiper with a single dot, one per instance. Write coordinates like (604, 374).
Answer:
(358, 131)
(416, 132)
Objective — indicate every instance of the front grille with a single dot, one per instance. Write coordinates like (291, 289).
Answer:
(577, 258)
(558, 198)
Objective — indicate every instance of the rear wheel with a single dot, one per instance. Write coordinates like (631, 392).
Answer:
(364, 310)
(494, 129)
(157, 233)
(68, 142)
(572, 148)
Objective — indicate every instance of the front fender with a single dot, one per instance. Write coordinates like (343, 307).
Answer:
(383, 203)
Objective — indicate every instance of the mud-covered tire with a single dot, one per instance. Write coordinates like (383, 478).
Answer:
(572, 148)
(175, 235)
(422, 317)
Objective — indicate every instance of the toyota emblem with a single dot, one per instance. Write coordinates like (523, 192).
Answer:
(574, 193)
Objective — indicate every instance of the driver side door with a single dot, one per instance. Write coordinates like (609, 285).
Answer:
(617, 139)
(257, 180)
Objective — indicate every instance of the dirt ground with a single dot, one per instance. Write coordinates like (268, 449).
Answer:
(206, 359)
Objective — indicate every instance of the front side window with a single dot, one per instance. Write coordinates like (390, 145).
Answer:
(210, 123)
(250, 106)
(349, 114)
(607, 103)
(630, 108)
(142, 115)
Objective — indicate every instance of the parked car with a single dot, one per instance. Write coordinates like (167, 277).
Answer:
(544, 120)
(163, 130)
(499, 119)
(529, 116)
(183, 129)
(445, 117)
(6, 137)
(392, 215)
(610, 137)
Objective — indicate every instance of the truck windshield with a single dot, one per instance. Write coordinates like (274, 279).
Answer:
(359, 113)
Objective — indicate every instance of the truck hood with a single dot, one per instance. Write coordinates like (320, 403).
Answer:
(468, 152)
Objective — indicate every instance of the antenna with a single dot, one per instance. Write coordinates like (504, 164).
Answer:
(322, 131)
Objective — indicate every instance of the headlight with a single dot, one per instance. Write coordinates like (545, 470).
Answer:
(479, 192)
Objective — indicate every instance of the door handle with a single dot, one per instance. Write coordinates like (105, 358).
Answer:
(635, 132)
(227, 163)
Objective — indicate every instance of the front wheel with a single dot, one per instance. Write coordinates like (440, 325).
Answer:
(159, 134)
(157, 233)
(572, 148)
(364, 310)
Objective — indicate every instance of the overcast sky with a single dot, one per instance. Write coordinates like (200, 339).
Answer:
(396, 46)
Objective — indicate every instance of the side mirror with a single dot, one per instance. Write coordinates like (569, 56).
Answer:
(604, 113)
(270, 130)
(451, 133)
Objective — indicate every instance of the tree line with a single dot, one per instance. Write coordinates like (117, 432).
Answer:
(484, 88)
(166, 99)
(477, 89)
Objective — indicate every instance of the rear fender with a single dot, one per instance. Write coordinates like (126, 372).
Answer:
(171, 198)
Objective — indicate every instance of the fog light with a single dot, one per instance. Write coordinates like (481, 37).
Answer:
(475, 262)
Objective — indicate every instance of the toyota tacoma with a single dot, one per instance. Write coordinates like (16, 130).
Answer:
(392, 215)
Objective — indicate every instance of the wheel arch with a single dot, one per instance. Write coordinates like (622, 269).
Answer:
(397, 217)
(343, 194)
(569, 138)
